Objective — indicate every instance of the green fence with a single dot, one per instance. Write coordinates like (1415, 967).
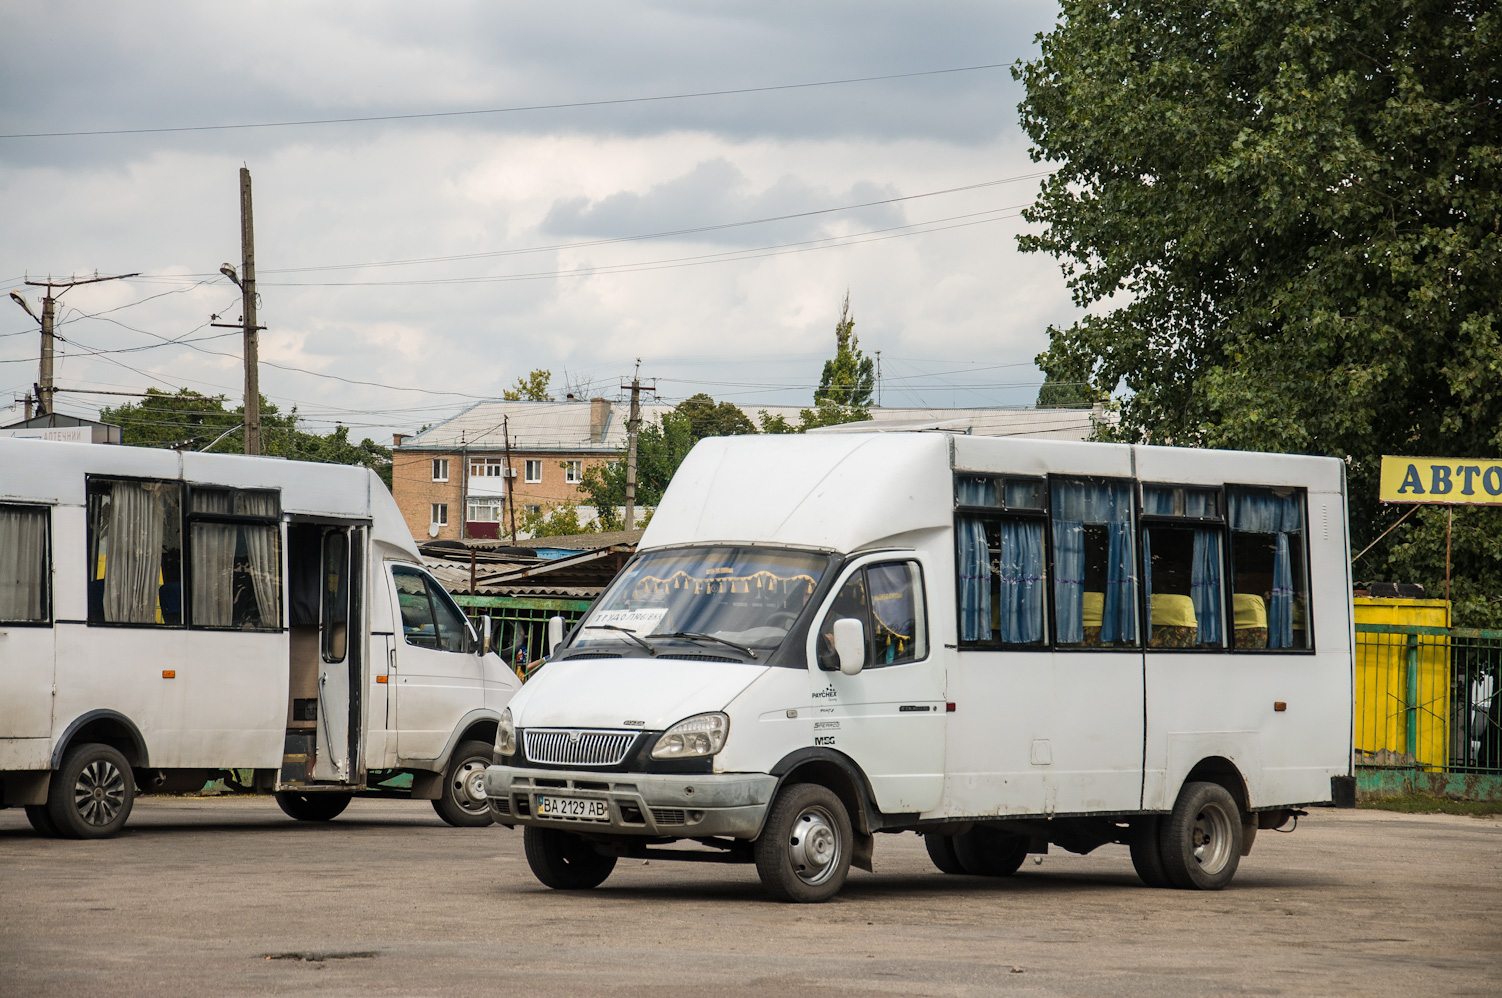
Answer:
(520, 623)
(1428, 710)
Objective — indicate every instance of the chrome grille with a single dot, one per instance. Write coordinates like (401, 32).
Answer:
(572, 747)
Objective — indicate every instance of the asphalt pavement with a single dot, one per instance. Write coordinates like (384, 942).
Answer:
(226, 896)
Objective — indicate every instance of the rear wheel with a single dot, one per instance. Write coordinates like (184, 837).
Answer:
(803, 853)
(985, 852)
(40, 820)
(564, 861)
(941, 851)
(1201, 840)
(463, 802)
(1147, 858)
(90, 797)
(313, 807)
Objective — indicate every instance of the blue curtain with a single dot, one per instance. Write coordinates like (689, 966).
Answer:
(1076, 504)
(1204, 587)
(975, 561)
(1021, 581)
(1157, 502)
(1268, 513)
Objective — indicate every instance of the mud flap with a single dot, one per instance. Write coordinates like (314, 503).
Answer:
(863, 852)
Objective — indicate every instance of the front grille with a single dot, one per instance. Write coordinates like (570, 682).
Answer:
(668, 815)
(562, 747)
(501, 804)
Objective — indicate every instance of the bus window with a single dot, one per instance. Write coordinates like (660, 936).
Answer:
(888, 601)
(429, 617)
(235, 550)
(1270, 590)
(135, 552)
(335, 577)
(23, 565)
(1000, 559)
(1182, 554)
(1094, 566)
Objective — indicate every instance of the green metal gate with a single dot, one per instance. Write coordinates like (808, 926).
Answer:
(520, 623)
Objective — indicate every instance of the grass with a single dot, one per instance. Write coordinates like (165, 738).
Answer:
(1425, 804)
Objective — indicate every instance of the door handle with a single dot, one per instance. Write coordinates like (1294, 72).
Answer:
(391, 660)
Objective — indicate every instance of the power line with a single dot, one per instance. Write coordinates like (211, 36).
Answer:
(498, 110)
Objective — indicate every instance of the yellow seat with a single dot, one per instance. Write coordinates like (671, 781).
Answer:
(1093, 612)
(1173, 610)
(1248, 611)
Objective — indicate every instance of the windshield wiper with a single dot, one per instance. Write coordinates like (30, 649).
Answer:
(695, 635)
(624, 630)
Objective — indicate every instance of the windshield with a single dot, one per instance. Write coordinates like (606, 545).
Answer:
(732, 602)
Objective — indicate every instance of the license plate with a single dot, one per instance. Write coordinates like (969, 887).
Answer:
(579, 808)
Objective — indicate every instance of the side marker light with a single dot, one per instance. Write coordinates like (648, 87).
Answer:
(1279, 705)
(949, 708)
(169, 673)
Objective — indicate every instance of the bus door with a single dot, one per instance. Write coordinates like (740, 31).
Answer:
(327, 648)
(438, 675)
(26, 633)
(889, 717)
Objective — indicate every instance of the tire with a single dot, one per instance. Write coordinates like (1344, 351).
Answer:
(313, 807)
(564, 861)
(985, 852)
(42, 821)
(941, 851)
(1200, 842)
(90, 797)
(463, 803)
(1147, 857)
(803, 854)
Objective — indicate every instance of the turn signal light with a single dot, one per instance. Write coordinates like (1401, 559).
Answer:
(380, 679)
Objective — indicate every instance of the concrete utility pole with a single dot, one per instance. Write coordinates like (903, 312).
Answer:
(633, 423)
(510, 477)
(48, 320)
(246, 282)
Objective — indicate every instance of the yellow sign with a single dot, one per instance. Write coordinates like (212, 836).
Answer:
(1442, 480)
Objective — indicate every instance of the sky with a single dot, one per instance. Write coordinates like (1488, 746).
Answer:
(568, 187)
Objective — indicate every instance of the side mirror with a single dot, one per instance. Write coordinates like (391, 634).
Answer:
(850, 645)
(555, 633)
(487, 631)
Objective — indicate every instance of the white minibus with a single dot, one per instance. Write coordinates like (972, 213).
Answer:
(171, 618)
(1000, 644)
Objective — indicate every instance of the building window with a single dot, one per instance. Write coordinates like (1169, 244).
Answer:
(999, 539)
(534, 510)
(534, 472)
(483, 509)
(573, 472)
(1182, 558)
(1270, 580)
(135, 552)
(487, 467)
(440, 469)
(439, 514)
(24, 565)
(235, 553)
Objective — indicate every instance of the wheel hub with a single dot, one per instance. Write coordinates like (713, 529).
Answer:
(815, 846)
(99, 792)
(469, 786)
(1212, 839)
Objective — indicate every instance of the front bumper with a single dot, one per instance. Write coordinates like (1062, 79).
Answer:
(650, 804)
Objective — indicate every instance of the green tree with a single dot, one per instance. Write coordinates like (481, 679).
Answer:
(532, 388)
(1059, 394)
(708, 418)
(1286, 220)
(185, 420)
(557, 521)
(849, 378)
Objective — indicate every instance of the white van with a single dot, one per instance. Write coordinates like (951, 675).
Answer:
(168, 618)
(1001, 644)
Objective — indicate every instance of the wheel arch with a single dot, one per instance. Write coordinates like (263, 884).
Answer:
(835, 771)
(1219, 769)
(109, 727)
(471, 725)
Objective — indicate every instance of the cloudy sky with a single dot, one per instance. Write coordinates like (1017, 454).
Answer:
(409, 265)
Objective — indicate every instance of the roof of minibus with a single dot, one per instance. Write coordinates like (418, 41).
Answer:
(51, 471)
(850, 491)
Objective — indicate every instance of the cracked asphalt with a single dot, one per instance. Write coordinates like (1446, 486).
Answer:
(226, 896)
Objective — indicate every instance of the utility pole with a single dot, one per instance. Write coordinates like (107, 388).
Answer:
(633, 423)
(245, 280)
(510, 478)
(878, 379)
(48, 320)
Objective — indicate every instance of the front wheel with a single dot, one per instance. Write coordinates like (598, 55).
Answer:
(91, 795)
(803, 854)
(463, 803)
(564, 861)
(313, 807)
(1201, 841)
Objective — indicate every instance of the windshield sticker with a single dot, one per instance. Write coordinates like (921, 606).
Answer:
(642, 621)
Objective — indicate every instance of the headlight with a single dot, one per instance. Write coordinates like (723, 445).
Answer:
(700, 735)
(505, 734)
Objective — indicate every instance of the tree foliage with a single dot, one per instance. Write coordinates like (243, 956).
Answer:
(849, 377)
(532, 388)
(1056, 393)
(1286, 219)
(188, 421)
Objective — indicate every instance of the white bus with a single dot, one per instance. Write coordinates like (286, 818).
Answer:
(170, 618)
(1000, 644)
